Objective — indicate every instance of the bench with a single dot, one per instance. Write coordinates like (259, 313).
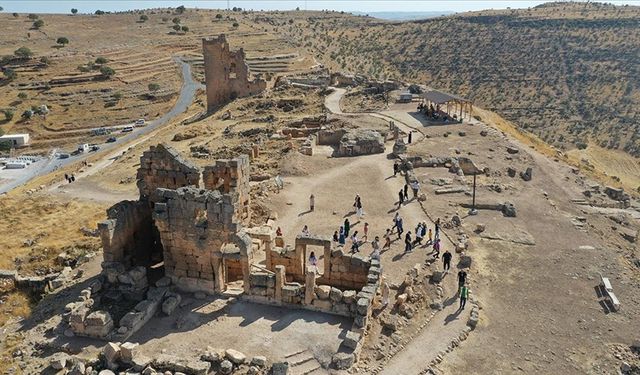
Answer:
(614, 301)
(604, 281)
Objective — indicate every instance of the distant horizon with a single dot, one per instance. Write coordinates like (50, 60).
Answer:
(360, 7)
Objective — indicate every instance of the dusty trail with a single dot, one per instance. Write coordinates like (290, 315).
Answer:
(447, 324)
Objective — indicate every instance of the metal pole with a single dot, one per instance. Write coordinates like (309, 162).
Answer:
(473, 204)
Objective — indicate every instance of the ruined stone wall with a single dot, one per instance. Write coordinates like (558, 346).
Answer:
(198, 229)
(127, 231)
(361, 142)
(163, 167)
(226, 73)
(231, 177)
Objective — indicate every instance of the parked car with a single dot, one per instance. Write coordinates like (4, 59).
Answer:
(94, 148)
(127, 129)
(63, 156)
(139, 122)
(111, 139)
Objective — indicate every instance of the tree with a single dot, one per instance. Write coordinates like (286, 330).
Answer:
(16, 15)
(10, 74)
(27, 114)
(38, 24)
(176, 20)
(235, 24)
(117, 96)
(74, 11)
(180, 9)
(185, 29)
(22, 96)
(23, 52)
(45, 60)
(144, 18)
(107, 72)
(8, 114)
(101, 60)
(165, 19)
(219, 16)
(176, 28)
(62, 41)
(32, 16)
(154, 87)
(99, 12)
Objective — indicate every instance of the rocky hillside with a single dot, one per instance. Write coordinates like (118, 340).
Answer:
(569, 72)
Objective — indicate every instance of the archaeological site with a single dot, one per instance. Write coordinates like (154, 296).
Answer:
(318, 192)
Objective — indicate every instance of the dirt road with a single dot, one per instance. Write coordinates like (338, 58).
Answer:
(187, 93)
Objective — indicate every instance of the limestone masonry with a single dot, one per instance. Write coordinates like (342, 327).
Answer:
(226, 73)
(188, 232)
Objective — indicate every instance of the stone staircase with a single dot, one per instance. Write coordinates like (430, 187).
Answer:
(304, 363)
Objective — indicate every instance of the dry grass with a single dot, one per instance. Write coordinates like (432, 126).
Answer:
(612, 163)
(53, 223)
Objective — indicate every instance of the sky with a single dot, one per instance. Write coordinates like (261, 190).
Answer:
(87, 6)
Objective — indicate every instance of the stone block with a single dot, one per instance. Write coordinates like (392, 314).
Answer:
(342, 361)
(111, 352)
(349, 296)
(58, 361)
(259, 361)
(335, 295)
(170, 304)
(363, 306)
(323, 291)
(352, 339)
(280, 368)
(235, 356)
(127, 351)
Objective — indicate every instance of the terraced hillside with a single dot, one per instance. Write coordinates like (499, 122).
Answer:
(68, 79)
(569, 72)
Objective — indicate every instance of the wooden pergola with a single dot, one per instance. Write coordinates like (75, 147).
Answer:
(457, 103)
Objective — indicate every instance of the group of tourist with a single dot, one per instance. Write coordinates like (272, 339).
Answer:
(69, 177)
(430, 236)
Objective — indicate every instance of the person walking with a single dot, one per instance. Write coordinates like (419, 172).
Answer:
(279, 232)
(423, 230)
(341, 236)
(430, 234)
(347, 227)
(359, 211)
(396, 168)
(375, 244)
(464, 294)
(336, 238)
(355, 202)
(446, 260)
(400, 228)
(395, 221)
(406, 192)
(354, 243)
(400, 198)
(418, 239)
(305, 231)
(437, 226)
(387, 240)
(366, 231)
(436, 249)
(312, 202)
(66, 177)
(415, 187)
(407, 243)
(462, 279)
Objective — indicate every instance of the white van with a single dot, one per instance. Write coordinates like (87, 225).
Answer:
(83, 147)
(139, 122)
(127, 129)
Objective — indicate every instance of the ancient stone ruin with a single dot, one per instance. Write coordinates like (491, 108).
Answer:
(188, 232)
(226, 73)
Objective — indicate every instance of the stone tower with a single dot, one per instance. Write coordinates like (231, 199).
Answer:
(226, 73)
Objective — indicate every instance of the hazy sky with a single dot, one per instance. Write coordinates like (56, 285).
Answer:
(85, 6)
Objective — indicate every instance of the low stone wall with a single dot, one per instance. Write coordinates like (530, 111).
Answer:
(330, 137)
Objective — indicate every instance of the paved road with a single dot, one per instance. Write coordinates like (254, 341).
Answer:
(50, 164)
